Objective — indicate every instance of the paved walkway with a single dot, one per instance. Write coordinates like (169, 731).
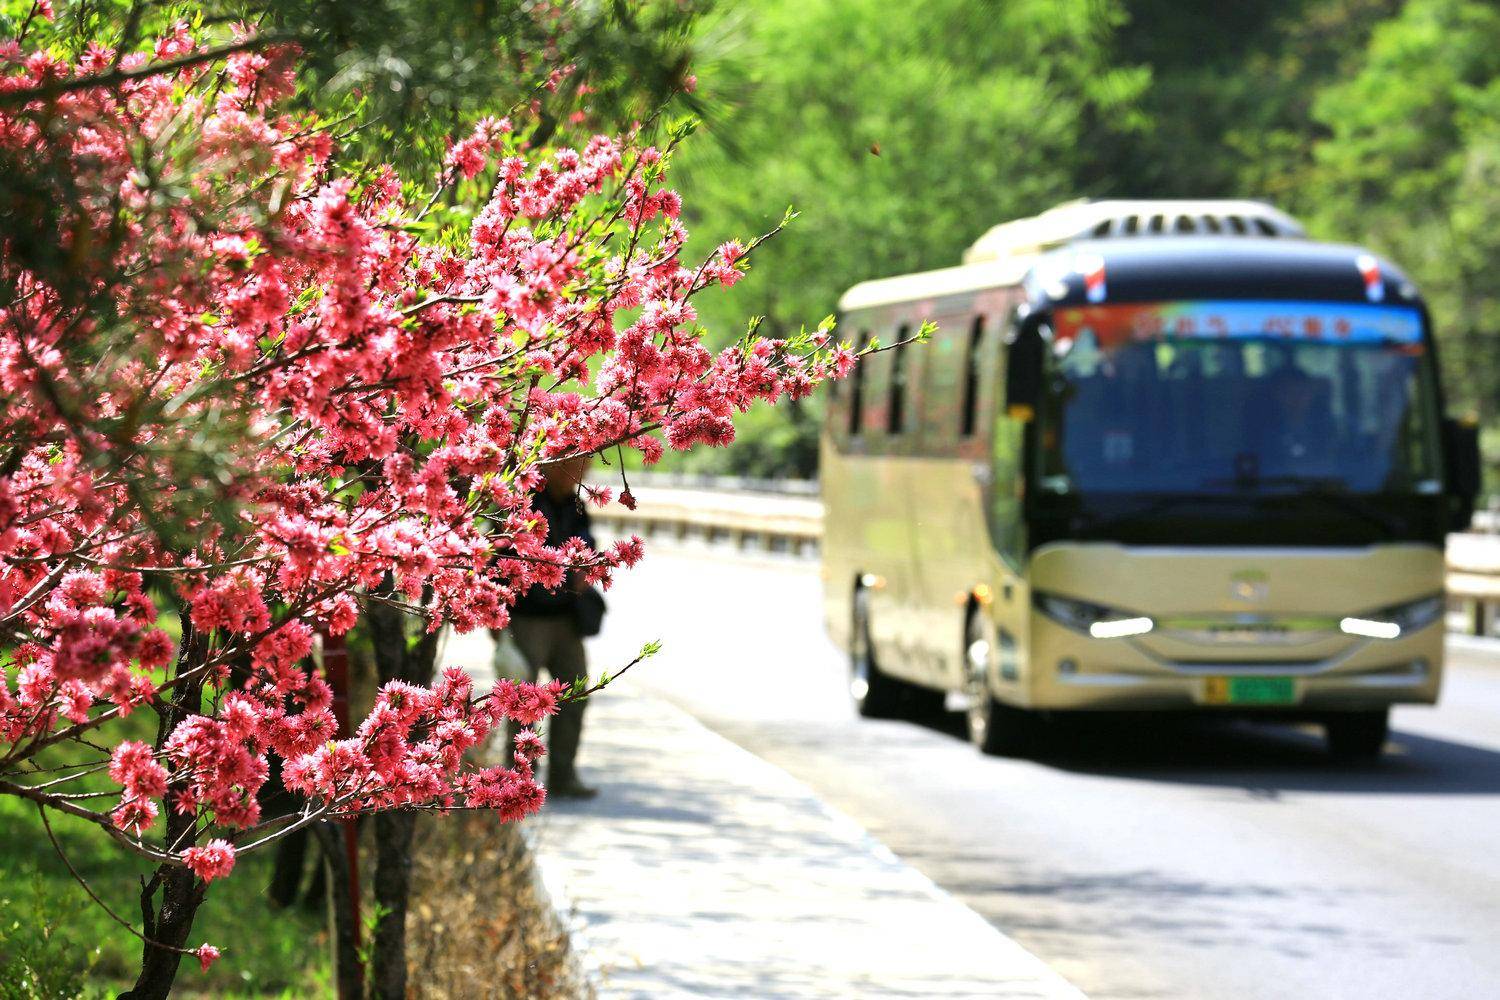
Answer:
(703, 871)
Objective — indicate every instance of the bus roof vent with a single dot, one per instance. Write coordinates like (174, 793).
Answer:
(1104, 220)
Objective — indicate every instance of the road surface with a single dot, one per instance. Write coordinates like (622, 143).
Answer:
(1192, 860)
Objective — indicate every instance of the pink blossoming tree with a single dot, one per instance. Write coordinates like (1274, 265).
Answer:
(249, 389)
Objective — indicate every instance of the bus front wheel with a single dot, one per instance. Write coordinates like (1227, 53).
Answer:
(995, 728)
(1357, 735)
(876, 694)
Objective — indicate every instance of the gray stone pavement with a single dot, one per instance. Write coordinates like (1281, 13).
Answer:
(703, 871)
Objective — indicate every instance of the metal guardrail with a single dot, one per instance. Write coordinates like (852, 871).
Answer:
(767, 522)
(1473, 583)
(724, 484)
(789, 520)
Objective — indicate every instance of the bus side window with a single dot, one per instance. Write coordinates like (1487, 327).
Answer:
(969, 415)
(1007, 450)
(895, 414)
(1007, 524)
(857, 389)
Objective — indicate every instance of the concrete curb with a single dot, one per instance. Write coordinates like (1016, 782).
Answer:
(474, 652)
(585, 976)
(1475, 643)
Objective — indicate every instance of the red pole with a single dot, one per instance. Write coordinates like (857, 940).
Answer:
(336, 667)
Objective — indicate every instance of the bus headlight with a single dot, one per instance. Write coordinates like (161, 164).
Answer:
(1389, 623)
(1093, 619)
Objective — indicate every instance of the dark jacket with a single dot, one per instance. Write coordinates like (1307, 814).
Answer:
(566, 518)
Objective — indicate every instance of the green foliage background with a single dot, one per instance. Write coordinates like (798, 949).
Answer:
(902, 131)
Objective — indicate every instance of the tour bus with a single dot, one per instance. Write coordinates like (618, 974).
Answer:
(1158, 456)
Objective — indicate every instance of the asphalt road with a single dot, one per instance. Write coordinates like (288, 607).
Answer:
(1139, 859)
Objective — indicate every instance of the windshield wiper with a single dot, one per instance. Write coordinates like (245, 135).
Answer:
(1330, 491)
(1155, 508)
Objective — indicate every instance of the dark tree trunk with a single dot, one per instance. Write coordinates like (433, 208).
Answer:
(335, 881)
(393, 837)
(169, 921)
(288, 870)
(166, 927)
(286, 873)
(395, 659)
(315, 896)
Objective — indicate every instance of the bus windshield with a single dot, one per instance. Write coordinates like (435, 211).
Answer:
(1214, 397)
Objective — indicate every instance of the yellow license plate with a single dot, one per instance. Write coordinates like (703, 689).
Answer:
(1250, 691)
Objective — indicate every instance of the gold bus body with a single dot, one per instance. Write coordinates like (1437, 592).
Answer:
(907, 521)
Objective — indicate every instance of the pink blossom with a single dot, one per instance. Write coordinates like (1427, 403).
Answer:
(284, 647)
(135, 816)
(135, 767)
(207, 955)
(529, 746)
(388, 396)
(214, 859)
(527, 703)
(155, 649)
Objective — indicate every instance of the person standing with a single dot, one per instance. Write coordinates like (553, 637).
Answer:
(545, 623)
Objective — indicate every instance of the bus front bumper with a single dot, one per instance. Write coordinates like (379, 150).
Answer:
(1071, 671)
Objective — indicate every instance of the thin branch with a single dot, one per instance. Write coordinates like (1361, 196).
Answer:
(608, 679)
(95, 896)
(439, 300)
(98, 819)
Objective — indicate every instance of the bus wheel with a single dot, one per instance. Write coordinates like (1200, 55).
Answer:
(994, 728)
(1358, 735)
(876, 694)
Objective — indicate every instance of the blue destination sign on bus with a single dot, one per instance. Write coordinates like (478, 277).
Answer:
(1331, 321)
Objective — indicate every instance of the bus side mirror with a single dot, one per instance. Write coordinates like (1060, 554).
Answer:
(1461, 459)
(1024, 351)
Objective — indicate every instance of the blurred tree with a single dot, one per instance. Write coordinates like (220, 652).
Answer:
(900, 133)
(1232, 87)
(1269, 133)
(1197, 54)
(1410, 163)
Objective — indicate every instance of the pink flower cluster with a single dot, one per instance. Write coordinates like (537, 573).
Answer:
(214, 859)
(144, 780)
(388, 397)
(410, 750)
